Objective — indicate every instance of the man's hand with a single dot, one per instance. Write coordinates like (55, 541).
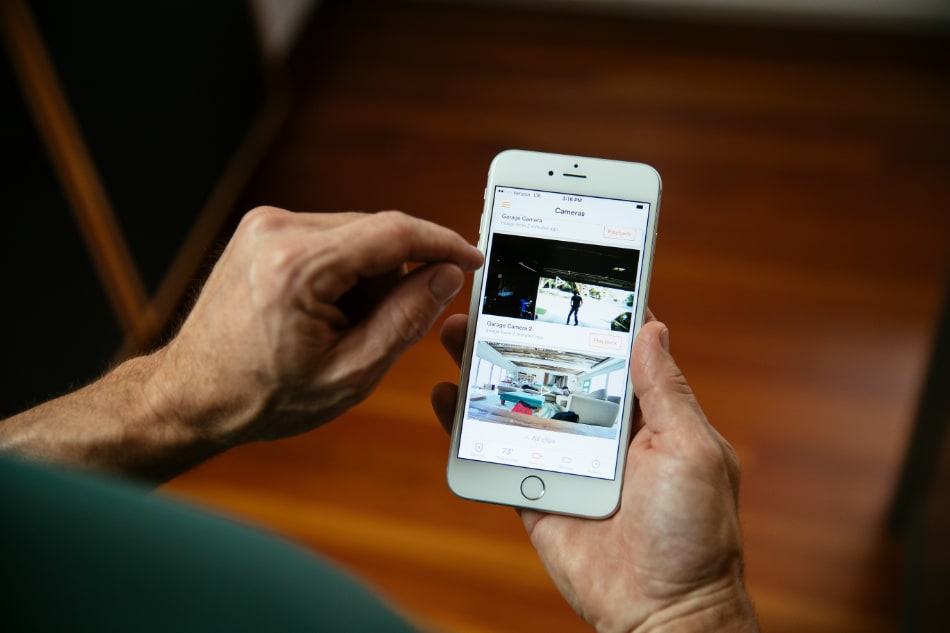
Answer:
(671, 557)
(298, 321)
(304, 313)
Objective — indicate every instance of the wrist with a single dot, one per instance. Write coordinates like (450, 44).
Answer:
(121, 424)
(727, 608)
(148, 431)
(193, 413)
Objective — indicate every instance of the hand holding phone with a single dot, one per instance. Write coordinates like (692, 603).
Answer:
(672, 554)
(544, 406)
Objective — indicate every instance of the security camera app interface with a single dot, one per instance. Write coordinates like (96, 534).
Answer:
(548, 380)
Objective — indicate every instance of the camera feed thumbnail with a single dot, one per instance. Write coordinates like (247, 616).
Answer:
(561, 282)
(549, 389)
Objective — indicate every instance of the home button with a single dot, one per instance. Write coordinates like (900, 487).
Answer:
(532, 488)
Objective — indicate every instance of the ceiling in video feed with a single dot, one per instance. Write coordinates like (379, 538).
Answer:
(551, 281)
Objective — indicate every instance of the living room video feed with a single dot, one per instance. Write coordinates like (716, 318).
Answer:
(552, 281)
(550, 389)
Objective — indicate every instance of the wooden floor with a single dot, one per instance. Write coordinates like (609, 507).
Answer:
(803, 253)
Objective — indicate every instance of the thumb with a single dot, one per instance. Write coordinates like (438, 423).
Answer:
(409, 310)
(666, 400)
(670, 410)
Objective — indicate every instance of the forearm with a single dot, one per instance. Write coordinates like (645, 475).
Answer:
(123, 423)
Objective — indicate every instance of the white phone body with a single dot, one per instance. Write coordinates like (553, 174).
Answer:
(554, 226)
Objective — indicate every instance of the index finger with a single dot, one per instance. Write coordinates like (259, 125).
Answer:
(377, 243)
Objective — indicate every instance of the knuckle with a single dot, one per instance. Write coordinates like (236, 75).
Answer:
(266, 254)
(352, 385)
(397, 223)
(415, 324)
(394, 215)
(262, 220)
(414, 315)
(276, 259)
(403, 327)
(350, 395)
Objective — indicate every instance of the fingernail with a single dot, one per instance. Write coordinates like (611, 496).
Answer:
(446, 283)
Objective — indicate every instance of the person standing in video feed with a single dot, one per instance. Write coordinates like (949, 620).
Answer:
(576, 303)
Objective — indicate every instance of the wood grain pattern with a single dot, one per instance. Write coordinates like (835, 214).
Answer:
(803, 251)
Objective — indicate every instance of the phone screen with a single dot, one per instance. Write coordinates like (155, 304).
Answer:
(549, 375)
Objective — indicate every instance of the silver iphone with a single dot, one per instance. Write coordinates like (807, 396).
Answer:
(545, 401)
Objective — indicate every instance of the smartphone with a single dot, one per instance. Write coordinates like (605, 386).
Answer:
(544, 409)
